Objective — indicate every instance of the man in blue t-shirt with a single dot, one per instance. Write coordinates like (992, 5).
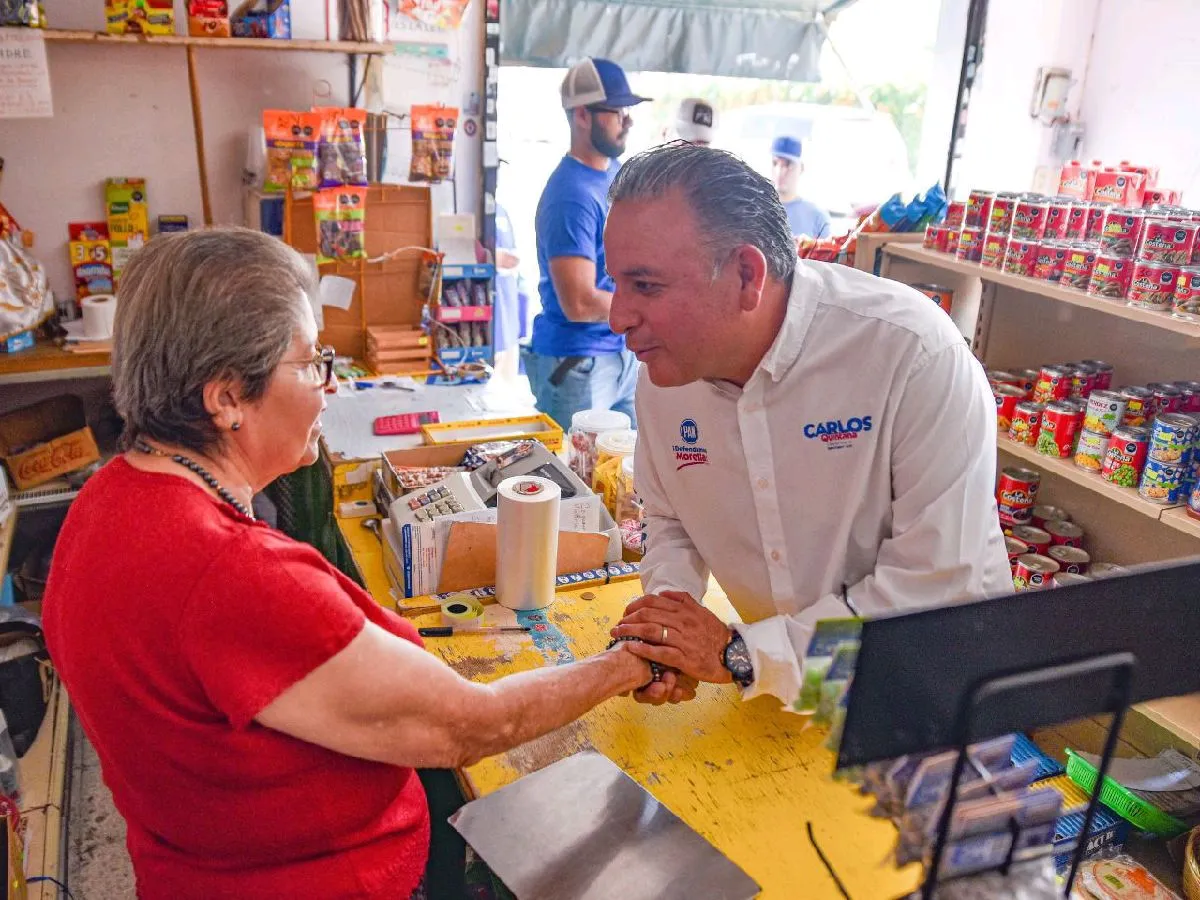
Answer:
(574, 360)
(804, 217)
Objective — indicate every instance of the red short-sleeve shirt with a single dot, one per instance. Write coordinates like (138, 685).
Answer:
(173, 620)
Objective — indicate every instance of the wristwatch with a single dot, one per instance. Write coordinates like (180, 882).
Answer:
(737, 660)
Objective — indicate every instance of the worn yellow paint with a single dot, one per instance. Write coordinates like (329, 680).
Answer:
(747, 776)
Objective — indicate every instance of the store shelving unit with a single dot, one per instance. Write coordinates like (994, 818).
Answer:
(183, 40)
(47, 362)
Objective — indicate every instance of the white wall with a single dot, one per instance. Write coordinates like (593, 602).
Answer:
(124, 111)
(1139, 102)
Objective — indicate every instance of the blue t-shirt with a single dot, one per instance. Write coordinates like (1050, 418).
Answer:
(570, 222)
(807, 218)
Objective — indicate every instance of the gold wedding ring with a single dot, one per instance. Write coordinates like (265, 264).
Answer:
(664, 637)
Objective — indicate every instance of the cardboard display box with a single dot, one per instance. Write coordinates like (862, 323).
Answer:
(41, 442)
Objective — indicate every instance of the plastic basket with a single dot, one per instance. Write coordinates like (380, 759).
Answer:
(1122, 802)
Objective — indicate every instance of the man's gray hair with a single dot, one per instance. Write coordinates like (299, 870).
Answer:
(734, 205)
(194, 307)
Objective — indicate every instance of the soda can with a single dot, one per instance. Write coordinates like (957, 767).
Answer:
(1077, 220)
(1140, 405)
(1060, 424)
(1057, 218)
(1037, 538)
(1105, 570)
(1104, 373)
(1034, 571)
(1095, 222)
(1054, 383)
(1089, 451)
(1050, 260)
(1105, 411)
(1125, 455)
(1004, 205)
(1043, 513)
(1162, 483)
(1168, 242)
(1185, 304)
(955, 213)
(1026, 423)
(1029, 218)
(979, 209)
(1122, 231)
(1152, 285)
(1016, 492)
(1007, 397)
(1064, 533)
(1078, 266)
(1167, 398)
(994, 247)
(970, 244)
(932, 233)
(1110, 276)
(1070, 558)
(1172, 439)
(1015, 547)
(1068, 579)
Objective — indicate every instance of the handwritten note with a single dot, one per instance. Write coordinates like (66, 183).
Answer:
(24, 75)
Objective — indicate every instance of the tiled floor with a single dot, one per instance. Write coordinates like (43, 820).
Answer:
(98, 865)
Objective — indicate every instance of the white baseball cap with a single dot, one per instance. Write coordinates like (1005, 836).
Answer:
(696, 120)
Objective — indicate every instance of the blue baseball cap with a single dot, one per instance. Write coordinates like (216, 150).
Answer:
(591, 81)
(786, 147)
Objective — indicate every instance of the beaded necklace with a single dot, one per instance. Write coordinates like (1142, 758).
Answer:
(222, 492)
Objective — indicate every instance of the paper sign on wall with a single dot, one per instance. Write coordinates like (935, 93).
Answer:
(24, 75)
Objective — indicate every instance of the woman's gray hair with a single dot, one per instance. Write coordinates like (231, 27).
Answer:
(194, 307)
(734, 205)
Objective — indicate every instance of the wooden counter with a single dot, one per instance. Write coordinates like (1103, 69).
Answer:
(47, 362)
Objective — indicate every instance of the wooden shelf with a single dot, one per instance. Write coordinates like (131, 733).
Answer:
(182, 40)
(48, 362)
(1045, 289)
(1177, 517)
(7, 529)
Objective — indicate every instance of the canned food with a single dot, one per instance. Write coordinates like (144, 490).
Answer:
(1020, 256)
(932, 233)
(1003, 376)
(1172, 439)
(943, 297)
(1162, 483)
(1110, 276)
(1064, 533)
(1077, 220)
(1043, 513)
(1001, 219)
(1125, 456)
(1139, 405)
(1112, 186)
(1193, 509)
(1060, 424)
(1037, 538)
(1029, 379)
(1050, 259)
(994, 247)
(1015, 547)
(970, 244)
(1089, 451)
(1095, 222)
(951, 239)
(1122, 231)
(979, 209)
(1152, 285)
(1105, 570)
(1007, 397)
(1168, 242)
(1068, 579)
(1071, 559)
(1034, 571)
(942, 242)
(1016, 492)
(1077, 267)
(1057, 217)
(1186, 302)
(1054, 383)
(1083, 382)
(1191, 396)
(1104, 373)
(1026, 423)
(1167, 398)
(1029, 219)
(955, 213)
(1105, 410)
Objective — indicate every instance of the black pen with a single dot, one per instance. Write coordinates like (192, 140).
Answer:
(450, 630)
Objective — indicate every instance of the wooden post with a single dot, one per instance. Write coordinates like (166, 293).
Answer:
(198, 128)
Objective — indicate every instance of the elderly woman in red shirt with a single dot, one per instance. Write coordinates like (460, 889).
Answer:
(256, 714)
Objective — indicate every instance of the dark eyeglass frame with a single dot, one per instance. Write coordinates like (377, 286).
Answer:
(322, 362)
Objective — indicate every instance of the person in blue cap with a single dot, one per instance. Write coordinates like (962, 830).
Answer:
(574, 360)
(805, 218)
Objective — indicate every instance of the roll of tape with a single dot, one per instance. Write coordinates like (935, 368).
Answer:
(462, 611)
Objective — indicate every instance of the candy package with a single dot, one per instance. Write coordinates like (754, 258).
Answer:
(342, 154)
(278, 127)
(432, 143)
(340, 215)
(302, 167)
(1118, 878)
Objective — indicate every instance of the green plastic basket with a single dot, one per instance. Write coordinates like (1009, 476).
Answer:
(1122, 802)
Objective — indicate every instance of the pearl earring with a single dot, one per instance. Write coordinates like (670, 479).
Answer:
(236, 426)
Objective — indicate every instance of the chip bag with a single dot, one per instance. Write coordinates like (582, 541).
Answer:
(340, 215)
(303, 165)
(342, 154)
(281, 128)
(432, 143)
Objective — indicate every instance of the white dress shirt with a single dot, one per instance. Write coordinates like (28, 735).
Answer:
(860, 456)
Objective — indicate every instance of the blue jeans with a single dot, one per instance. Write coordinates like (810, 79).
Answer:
(606, 381)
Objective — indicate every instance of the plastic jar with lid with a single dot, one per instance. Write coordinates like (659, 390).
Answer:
(612, 448)
(628, 512)
(586, 427)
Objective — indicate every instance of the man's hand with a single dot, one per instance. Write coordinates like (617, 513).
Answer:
(680, 633)
(675, 687)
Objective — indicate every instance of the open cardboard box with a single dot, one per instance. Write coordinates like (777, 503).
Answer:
(40, 442)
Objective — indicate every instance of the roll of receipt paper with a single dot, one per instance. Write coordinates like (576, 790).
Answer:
(462, 611)
(526, 541)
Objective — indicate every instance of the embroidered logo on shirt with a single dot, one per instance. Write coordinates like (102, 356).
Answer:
(688, 453)
(836, 434)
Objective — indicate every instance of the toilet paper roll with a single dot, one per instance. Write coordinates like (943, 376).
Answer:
(99, 312)
(526, 541)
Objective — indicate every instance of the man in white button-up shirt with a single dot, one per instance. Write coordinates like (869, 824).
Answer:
(820, 439)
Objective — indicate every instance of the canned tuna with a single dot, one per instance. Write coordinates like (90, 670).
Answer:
(1162, 483)
(1152, 285)
(1125, 456)
(1060, 424)
(1016, 492)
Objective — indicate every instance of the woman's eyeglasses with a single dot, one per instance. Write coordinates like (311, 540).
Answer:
(319, 369)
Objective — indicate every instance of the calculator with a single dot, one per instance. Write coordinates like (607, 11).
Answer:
(405, 423)
(456, 494)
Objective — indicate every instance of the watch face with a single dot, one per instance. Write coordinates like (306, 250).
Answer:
(737, 661)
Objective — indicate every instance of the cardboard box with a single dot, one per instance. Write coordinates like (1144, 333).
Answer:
(15, 343)
(41, 442)
(139, 16)
(255, 19)
(128, 219)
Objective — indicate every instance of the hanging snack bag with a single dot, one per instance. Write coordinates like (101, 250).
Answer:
(432, 143)
(303, 163)
(341, 217)
(282, 128)
(342, 154)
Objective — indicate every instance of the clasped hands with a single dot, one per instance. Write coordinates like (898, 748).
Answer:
(682, 635)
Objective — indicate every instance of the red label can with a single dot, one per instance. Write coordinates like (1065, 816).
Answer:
(1037, 538)
(942, 297)
(955, 213)
(1083, 381)
(1057, 218)
(1186, 302)
(1015, 548)
(1029, 380)
(1003, 207)
(1050, 260)
(1103, 370)
(979, 209)
(1007, 397)
(1077, 217)
(1026, 423)
(1020, 256)
(970, 243)
(1054, 383)
(932, 234)
(1095, 222)
(1064, 534)
(1060, 423)
(994, 247)
(1191, 396)
(1122, 231)
(1125, 456)
(1033, 572)
(1016, 492)
(1168, 242)
(951, 233)
(1029, 219)
(1152, 285)
(1077, 267)
(1070, 558)
(1110, 276)
(1113, 186)
(1167, 398)
(1043, 514)
(1140, 405)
